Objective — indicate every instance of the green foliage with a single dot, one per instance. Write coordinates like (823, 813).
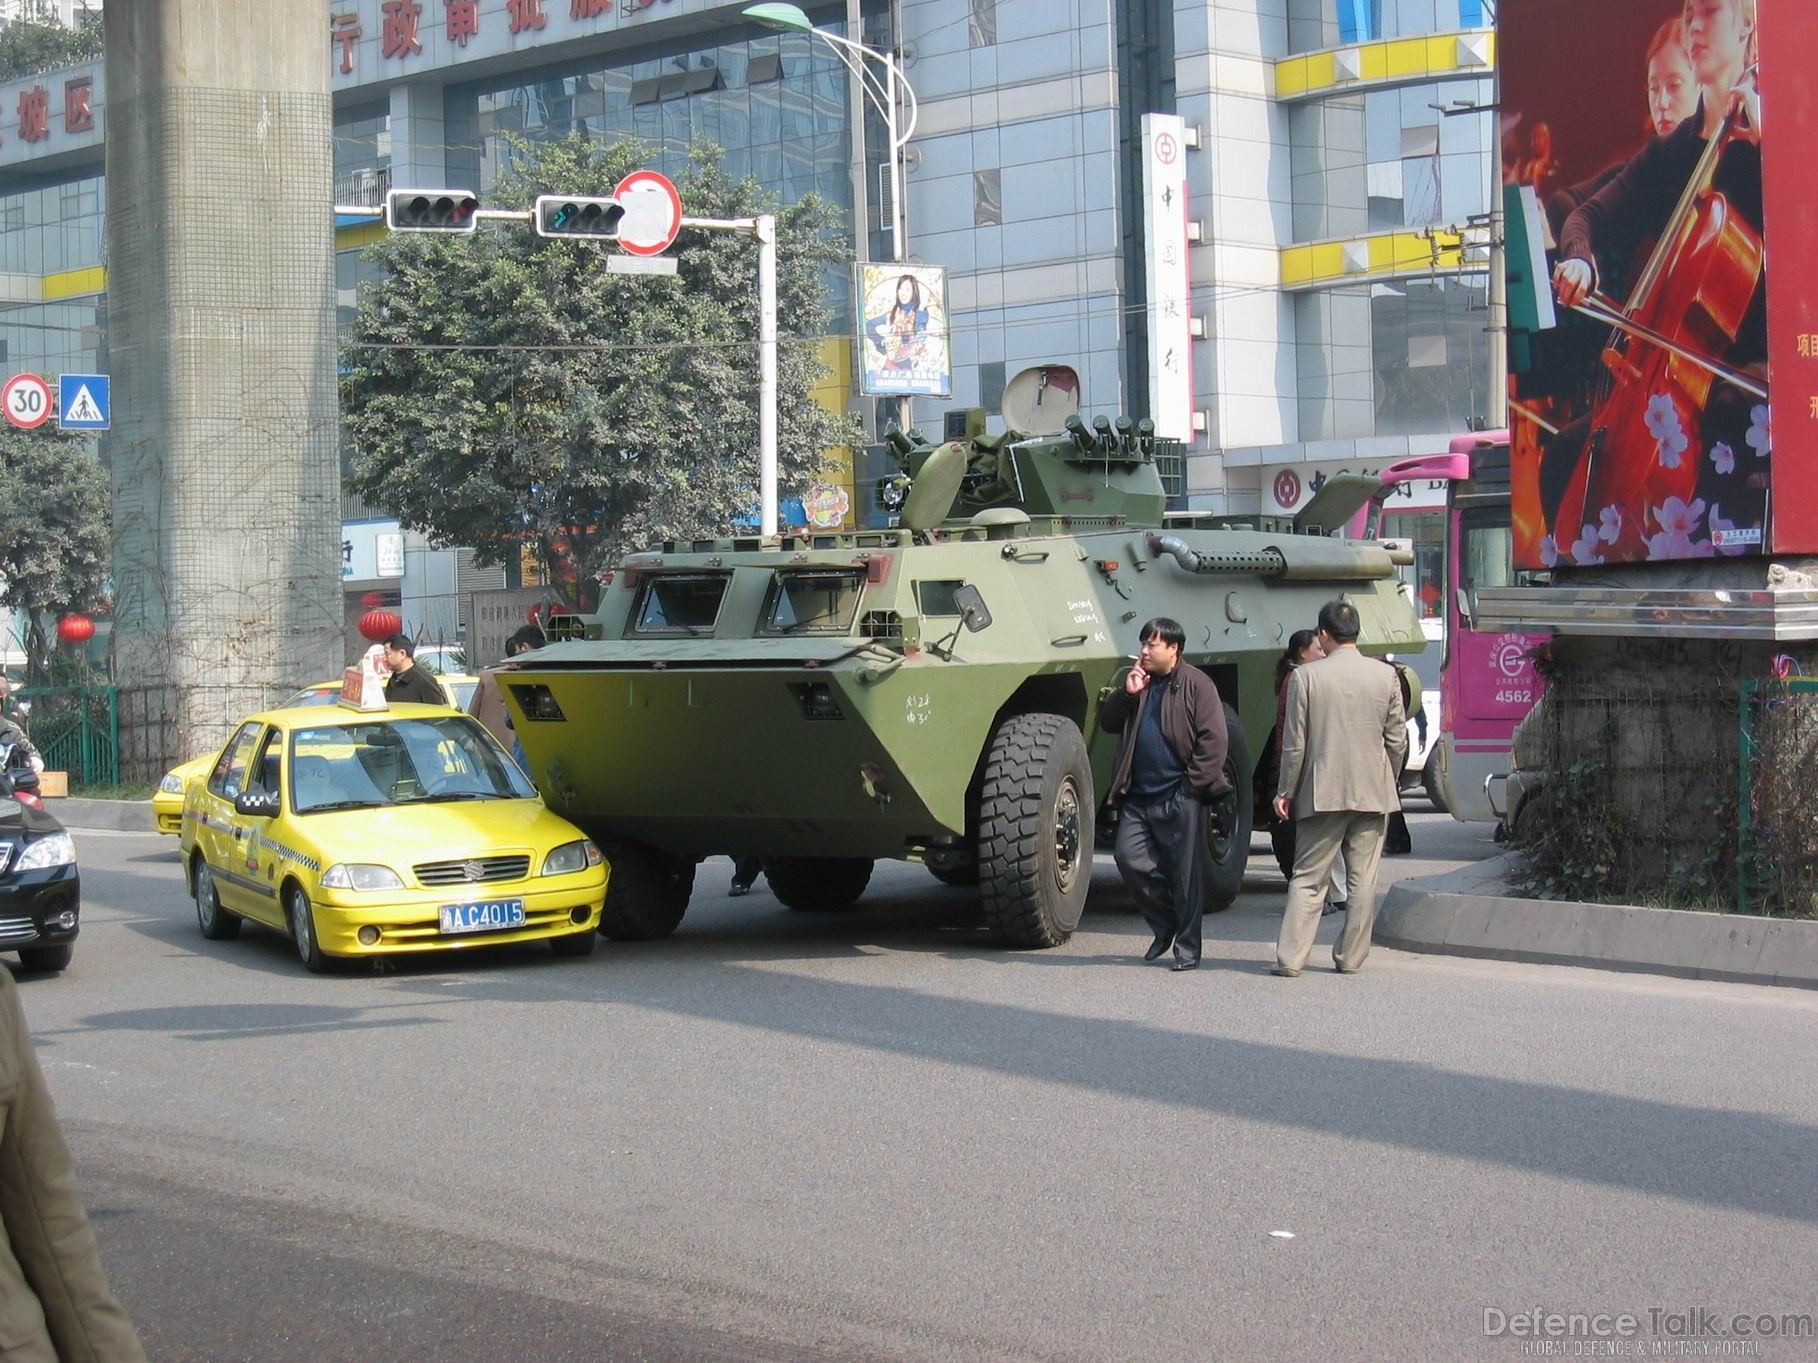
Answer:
(42, 42)
(56, 537)
(595, 413)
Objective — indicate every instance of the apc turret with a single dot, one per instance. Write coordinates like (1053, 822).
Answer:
(929, 691)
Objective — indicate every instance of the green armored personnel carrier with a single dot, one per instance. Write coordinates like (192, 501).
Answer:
(928, 692)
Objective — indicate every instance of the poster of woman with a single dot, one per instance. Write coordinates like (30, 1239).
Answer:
(903, 323)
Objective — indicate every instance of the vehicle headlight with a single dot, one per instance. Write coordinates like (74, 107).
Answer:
(359, 875)
(571, 857)
(172, 784)
(56, 850)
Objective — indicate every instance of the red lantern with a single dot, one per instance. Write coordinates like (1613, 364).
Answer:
(379, 625)
(373, 600)
(75, 629)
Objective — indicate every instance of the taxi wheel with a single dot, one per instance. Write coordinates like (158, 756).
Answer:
(303, 933)
(217, 924)
(574, 943)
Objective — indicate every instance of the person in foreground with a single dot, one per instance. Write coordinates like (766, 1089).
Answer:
(55, 1306)
(1170, 762)
(1344, 735)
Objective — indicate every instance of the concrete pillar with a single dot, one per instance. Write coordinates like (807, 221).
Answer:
(419, 158)
(221, 302)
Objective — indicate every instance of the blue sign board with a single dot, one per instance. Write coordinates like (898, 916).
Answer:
(83, 403)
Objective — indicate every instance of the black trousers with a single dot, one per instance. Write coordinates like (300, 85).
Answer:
(1161, 852)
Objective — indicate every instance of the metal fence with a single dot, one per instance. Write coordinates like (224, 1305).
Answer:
(76, 729)
(1777, 820)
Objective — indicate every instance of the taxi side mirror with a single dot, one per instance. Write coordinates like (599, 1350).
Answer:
(257, 804)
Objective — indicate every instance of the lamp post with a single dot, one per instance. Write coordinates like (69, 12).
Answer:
(881, 91)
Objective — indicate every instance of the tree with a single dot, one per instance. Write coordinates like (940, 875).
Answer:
(40, 41)
(56, 533)
(504, 388)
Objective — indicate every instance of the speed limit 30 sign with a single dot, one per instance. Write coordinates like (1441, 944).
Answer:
(27, 401)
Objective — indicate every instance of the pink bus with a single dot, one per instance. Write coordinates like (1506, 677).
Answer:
(1487, 681)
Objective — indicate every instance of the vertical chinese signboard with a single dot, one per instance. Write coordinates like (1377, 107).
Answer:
(1169, 287)
(1662, 141)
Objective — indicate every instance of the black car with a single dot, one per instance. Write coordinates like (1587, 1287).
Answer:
(40, 893)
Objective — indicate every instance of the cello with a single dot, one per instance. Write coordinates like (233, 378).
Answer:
(1663, 360)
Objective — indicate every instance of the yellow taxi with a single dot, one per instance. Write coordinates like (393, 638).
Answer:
(372, 832)
(167, 800)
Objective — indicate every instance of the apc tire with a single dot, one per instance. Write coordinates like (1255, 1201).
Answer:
(646, 894)
(1234, 811)
(818, 884)
(217, 924)
(1429, 781)
(574, 943)
(47, 959)
(302, 919)
(1035, 831)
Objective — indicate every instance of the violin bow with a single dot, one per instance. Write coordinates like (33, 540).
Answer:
(1605, 310)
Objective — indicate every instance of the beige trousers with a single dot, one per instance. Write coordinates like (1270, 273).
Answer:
(1318, 839)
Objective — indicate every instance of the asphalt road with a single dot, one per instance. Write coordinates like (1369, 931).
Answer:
(872, 1136)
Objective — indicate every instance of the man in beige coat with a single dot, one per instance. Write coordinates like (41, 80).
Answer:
(54, 1303)
(1344, 735)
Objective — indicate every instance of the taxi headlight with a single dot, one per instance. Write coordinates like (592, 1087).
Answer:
(172, 784)
(56, 850)
(571, 857)
(357, 875)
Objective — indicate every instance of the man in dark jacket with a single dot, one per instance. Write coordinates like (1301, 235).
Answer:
(1170, 762)
(408, 682)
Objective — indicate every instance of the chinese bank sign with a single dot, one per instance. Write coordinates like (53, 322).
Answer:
(1652, 150)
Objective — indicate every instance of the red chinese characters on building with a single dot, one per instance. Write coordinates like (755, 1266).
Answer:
(525, 14)
(399, 36)
(463, 20)
(78, 113)
(589, 9)
(344, 30)
(34, 114)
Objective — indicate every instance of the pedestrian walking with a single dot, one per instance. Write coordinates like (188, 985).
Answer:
(407, 681)
(1344, 734)
(54, 1299)
(1170, 764)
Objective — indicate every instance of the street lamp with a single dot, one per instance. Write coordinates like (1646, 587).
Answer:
(880, 91)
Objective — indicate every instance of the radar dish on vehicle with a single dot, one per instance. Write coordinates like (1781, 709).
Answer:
(1039, 400)
(936, 485)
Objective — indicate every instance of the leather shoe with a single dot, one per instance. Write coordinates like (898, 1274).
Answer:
(1184, 965)
(1158, 946)
(1281, 970)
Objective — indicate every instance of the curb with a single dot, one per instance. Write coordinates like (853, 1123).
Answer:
(120, 816)
(1471, 913)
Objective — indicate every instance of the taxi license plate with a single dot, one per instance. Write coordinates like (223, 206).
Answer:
(491, 915)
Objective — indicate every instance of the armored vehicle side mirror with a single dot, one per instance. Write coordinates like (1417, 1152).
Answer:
(257, 804)
(974, 614)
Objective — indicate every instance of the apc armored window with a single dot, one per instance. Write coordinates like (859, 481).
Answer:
(937, 598)
(813, 602)
(676, 603)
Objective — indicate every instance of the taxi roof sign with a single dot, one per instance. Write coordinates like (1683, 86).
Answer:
(362, 688)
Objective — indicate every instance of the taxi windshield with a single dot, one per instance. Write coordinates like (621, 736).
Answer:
(371, 763)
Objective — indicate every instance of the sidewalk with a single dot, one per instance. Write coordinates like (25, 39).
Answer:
(1475, 911)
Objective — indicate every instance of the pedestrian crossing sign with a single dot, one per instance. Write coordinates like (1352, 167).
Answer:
(82, 402)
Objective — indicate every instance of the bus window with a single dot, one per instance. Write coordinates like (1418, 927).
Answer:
(1487, 547)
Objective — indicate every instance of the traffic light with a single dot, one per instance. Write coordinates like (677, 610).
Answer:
(578, 216)
(430, 210)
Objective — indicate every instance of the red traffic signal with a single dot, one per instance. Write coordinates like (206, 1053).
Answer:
(431, 210)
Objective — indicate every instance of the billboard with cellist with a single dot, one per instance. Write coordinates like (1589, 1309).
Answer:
(1641, 412)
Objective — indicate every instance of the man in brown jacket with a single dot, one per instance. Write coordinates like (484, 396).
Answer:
(55, 1306)
(1344, 736)
(1170, 762)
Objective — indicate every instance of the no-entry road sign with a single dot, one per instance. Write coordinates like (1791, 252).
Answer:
(653, 213)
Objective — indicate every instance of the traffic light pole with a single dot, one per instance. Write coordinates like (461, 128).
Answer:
(762, 229)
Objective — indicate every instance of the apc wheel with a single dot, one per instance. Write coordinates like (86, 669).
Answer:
(303, 932)
(1429, 780)
(647, 893)
(574, 943)
(818, 884)
(217, 924)
(47, 958)
(966, 875)
(1035, 831)
(1229, 850)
